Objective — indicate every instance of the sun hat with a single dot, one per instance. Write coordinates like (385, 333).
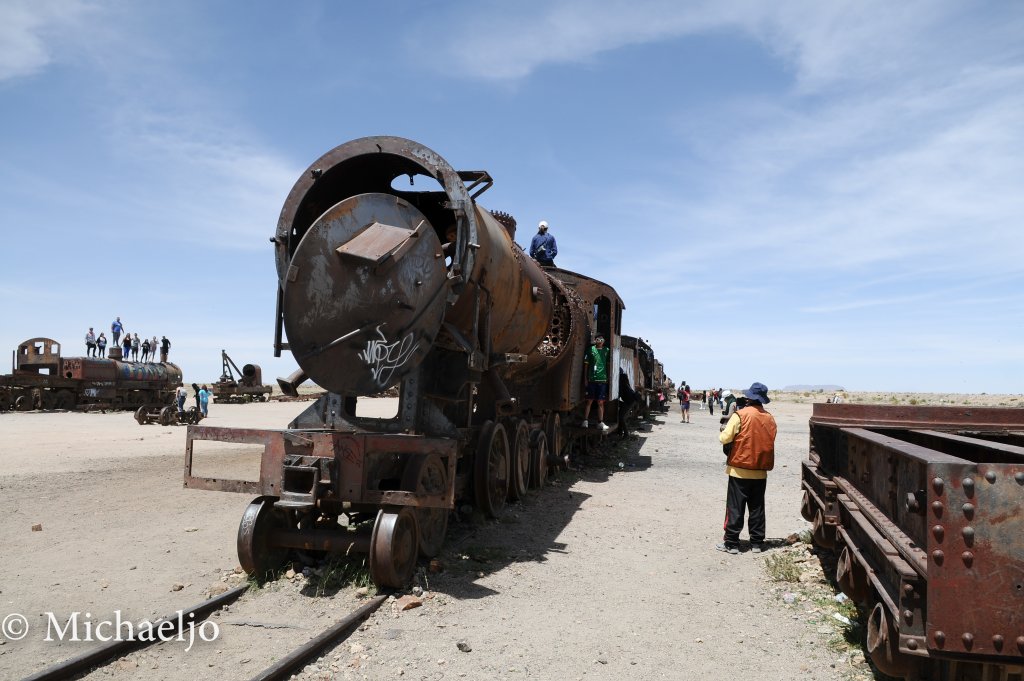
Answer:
(757, 392)
(543, 224)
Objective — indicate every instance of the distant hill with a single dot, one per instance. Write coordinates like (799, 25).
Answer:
(813, 389)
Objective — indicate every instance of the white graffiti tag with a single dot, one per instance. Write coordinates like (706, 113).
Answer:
(384, 358)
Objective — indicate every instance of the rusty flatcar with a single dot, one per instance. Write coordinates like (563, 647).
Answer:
(382, 285)
(924, 505)
(41, 378)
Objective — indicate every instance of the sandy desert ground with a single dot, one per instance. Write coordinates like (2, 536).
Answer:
(607, 573)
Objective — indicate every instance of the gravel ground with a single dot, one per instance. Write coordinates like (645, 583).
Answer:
(607, 573)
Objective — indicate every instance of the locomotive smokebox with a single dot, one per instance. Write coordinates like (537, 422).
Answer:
(380, 244)
(365, 294)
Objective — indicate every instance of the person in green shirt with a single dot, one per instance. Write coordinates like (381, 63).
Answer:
(595, 364)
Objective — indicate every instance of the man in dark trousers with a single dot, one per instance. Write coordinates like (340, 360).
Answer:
(751, 433)
(543, 248)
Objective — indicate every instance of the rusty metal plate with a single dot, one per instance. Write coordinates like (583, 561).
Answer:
(976, 559)
(353, 328)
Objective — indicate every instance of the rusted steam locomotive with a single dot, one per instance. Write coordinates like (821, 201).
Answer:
(925, 506)
(41, 379)
(381, 285)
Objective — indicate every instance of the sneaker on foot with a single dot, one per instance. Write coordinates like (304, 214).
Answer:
(603, 427)
(727, 549)
(756, 548)
(585, 424)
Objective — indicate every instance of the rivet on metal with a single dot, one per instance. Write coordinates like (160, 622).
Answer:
(968, 639)
(908, 615)
(912, 644)
(937, 556)
(1020, 643)
(967, 557)
(968, 509)
(990, 476)
(968, 533)
(937, 507)
(939, 532)
(940, 638)
(997, 642)
(937, 485)
(908, 589)
(968, 485)
(1019, 477)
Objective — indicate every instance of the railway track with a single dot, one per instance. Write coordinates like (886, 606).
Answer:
(169, 626)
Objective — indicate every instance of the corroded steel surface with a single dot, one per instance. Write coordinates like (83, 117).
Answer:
(927, 502)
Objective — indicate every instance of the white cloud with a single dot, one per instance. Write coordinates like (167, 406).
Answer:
(29, 30)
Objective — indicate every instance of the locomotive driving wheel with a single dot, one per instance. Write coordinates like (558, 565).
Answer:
(142, 416)
(65, 399)
(520, 478)
(538, 459)
(553, 430)
(491, 469)
(256, 555)
(428, 475)
(166, 416)
(393, 547)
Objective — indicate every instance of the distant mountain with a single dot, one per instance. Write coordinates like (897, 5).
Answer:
(813, 389)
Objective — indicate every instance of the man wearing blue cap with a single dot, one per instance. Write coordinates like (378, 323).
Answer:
(751, 433)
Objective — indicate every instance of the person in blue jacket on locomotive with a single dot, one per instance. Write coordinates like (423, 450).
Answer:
(543, 248)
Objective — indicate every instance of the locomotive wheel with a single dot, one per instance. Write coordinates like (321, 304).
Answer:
(538, 460)
(553, 430)
(65, 399)
(255, 554)
(142, 416)
(23, 402)
(520, 478)
(491, 469)
(48, 399)
(167, 416)
(393, 547)
(428, 475)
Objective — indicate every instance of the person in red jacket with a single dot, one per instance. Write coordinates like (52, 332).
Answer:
(749, 441)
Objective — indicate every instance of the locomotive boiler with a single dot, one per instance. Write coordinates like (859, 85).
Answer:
(391, 275)
(41, 378)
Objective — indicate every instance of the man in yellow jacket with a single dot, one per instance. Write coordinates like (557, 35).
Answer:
(751, 434)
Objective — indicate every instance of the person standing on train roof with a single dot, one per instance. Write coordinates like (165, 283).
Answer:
(751, 432)
(101, 345)
(90, 343)
(543, 248)
(126, 348)
(153, 345)
(595, 365)
(116, 329)
(145, 349)
(165, 348)
(135, 348)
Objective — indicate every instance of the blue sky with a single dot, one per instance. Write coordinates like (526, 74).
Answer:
(790, 192)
